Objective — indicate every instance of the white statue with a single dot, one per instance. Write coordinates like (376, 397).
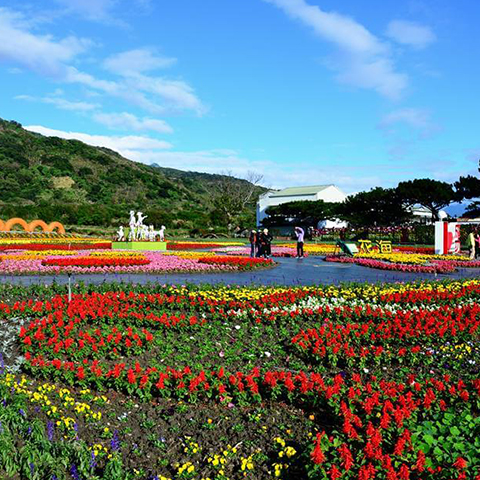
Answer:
(139, 226)
(140, 218)
(140, 231)
(151, 233)
(132, 235)
(120, 234)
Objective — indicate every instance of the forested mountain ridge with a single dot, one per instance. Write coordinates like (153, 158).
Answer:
(78, 184)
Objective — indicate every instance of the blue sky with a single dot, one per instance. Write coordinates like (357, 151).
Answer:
(356, 93)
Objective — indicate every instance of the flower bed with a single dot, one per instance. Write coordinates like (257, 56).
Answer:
(102, 262)
(191, 255)
(57, 245)
(242, 263)
(96, 261)
(410, 258)
(313, 248)
(459, 263)
(437, 267)
(351, 382)
(408, 262)
(276, 251)
(198, 245)
(412, 249)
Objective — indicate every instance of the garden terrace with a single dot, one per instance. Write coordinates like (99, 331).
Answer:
(218, 382)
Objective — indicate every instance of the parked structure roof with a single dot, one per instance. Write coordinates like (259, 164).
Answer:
(296, 191)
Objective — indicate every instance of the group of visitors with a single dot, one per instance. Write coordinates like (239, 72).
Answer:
(261, 242)
(473, 242)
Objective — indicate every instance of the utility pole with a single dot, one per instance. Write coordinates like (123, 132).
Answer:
(69, 287)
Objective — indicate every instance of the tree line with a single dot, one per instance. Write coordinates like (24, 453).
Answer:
(382, 207)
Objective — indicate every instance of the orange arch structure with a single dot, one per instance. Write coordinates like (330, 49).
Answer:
(55, 225)
(30, 227)
(16, 221)
(37, 223)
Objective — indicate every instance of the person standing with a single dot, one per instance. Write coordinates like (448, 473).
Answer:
(300, 233)
(471, 240)
(253, 243)
(266, 241)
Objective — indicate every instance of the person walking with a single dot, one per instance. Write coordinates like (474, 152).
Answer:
(300, 234)
(477, 244)
(471, 241)
(253, 243)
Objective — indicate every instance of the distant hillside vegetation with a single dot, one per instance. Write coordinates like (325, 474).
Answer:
(77, 184)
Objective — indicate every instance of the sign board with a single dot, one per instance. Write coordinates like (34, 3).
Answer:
(352, 247)
(447, 238)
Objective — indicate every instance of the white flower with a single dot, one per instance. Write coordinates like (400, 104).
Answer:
(237, 327)
(267, 354)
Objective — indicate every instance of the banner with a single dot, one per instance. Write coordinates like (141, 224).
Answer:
(447, 238)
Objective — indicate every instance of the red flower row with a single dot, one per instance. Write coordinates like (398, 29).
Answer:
(96, 261)
(239, 262)
(192, 246)
(119, 302)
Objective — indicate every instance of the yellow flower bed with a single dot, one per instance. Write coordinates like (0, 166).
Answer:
(312, 248)
(59, 403)
(20, 239)
(364, 291)
(410, 258)
(33, 254)
(50, 241)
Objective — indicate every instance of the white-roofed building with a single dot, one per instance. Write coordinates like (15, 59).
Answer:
(327, 193)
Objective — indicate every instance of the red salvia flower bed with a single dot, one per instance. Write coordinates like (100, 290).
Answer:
(96, 262)
(243, 263)
(191, 246)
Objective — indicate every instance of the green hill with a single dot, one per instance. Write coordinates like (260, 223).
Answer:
(67, 180)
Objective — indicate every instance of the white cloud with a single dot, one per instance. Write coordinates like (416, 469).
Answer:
(53, 58)
(136, 61)
(177, 94)
(410, 33)
(156, 95)
(119, 144)
(61, 103)
(97, 10)
(127, 121)
(364, 60)
(149, 151)
(417, 118)
(133, 65)
(275, 175)
(40, 53)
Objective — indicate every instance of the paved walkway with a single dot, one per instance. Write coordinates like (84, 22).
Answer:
(290, 271)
